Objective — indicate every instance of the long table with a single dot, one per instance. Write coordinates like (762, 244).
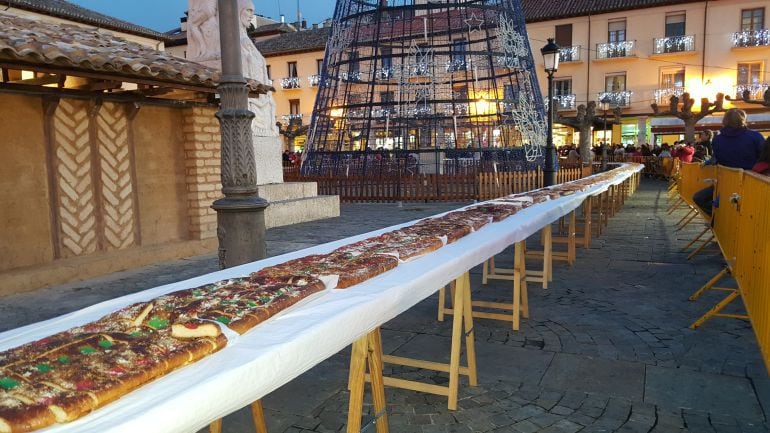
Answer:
(287, 345)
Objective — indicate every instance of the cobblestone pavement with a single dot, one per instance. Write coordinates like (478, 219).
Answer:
(606, 347)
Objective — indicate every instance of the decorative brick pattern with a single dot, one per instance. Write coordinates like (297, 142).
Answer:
(72, 156)
(116, 181)
(202, 164)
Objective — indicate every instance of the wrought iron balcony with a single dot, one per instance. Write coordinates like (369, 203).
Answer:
(384, 74)
(569, 54)
(756, 91)
(613, 50)
(314, 80)
(351, 76)
(290, 82)
(663, 96)
(617, 99)
(751, 38)
(674, 44)
(564, 102)
(383, 112)
(289, 117)
(456, 65)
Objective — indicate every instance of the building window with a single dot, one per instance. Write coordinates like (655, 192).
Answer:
(616, 31)
(752, 19)
(386, 59)
(386, 97)
(562, 86)
(749, 74)
(319, 65)
(672, 78)
(293, 106)
(353, 59)
(292, 69)
(564, 35)
(615, 83)
(675, 24)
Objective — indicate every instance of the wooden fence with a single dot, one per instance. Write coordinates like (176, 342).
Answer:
(432, 187)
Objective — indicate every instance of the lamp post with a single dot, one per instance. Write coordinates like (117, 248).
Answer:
(551, 59)
(240, 214)
(604, 104)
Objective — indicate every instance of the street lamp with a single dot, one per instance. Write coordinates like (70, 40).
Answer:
(551, 59)
(604, 104)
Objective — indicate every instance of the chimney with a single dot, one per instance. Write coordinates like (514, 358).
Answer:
(283, 18)
(304, 24)
(315, 26)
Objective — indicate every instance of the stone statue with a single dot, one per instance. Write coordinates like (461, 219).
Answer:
(203, 31)
(255, 67)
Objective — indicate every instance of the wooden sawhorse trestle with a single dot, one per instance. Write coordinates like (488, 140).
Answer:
(257, 414)
(462, 326)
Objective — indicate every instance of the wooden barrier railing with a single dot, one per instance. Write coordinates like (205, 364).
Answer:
(432, 187)
(741, 225)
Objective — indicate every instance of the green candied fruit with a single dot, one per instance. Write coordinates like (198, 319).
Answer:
(64, 359)
(197, 293)
(43, 368)
(136, 334)
(7, 383)
(87, 350)
(105, 343)
(223, 320)
(265, 300)
(158, 323)
(226, 302)
(252, 304)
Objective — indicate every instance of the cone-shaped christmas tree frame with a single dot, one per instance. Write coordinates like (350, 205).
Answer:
(415, 74)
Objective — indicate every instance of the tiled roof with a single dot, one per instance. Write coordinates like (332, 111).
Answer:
(277, 28)
(539, 10)
(33, 43)
(66, 10)
(304, 40)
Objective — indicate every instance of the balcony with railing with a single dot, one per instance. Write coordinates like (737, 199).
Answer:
(289, 117)
(663, 96)
(354, 76)
(751, 38)
(314, 80)
(569, 54)
(384, 73)
(456, 65)
(674, 44)
(755, 91)
(616, 50)
(564, 102)
(617, 99)
(290, 83)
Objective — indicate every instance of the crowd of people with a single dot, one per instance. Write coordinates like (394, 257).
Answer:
(291, 158)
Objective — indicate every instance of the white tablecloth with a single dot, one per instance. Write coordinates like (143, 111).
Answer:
(277, 351)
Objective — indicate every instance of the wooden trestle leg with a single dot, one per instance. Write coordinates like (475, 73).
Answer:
(257, 414)
(519, 305)
(462, 320)
(367, 352)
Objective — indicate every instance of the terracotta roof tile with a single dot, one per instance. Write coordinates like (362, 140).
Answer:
(31, 42)
(539, 10)
(304, 40)
(73, 12)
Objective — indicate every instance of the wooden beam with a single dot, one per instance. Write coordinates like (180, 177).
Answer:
(39, 81)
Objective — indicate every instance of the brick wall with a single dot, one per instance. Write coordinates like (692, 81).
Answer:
(202, 168)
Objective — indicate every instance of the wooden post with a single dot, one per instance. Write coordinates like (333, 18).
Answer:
(367, 351)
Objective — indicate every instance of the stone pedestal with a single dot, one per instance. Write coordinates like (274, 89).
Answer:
(296, 202)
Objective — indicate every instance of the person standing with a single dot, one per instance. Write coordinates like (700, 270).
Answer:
(763, 163)
(704, 139)
(736, 146)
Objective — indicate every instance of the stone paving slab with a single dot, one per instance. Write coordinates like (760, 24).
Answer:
(608, 341)
(705, 392)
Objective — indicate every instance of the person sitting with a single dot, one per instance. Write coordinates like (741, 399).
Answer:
(763, 163)
(686, 152)
(665, 151)
(736, 146)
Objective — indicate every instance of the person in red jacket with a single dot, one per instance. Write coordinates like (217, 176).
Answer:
(763, 163)
(686, 152)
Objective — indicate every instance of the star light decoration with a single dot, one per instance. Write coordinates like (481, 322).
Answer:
(524, 114)
(473, 21)
(512, 43)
